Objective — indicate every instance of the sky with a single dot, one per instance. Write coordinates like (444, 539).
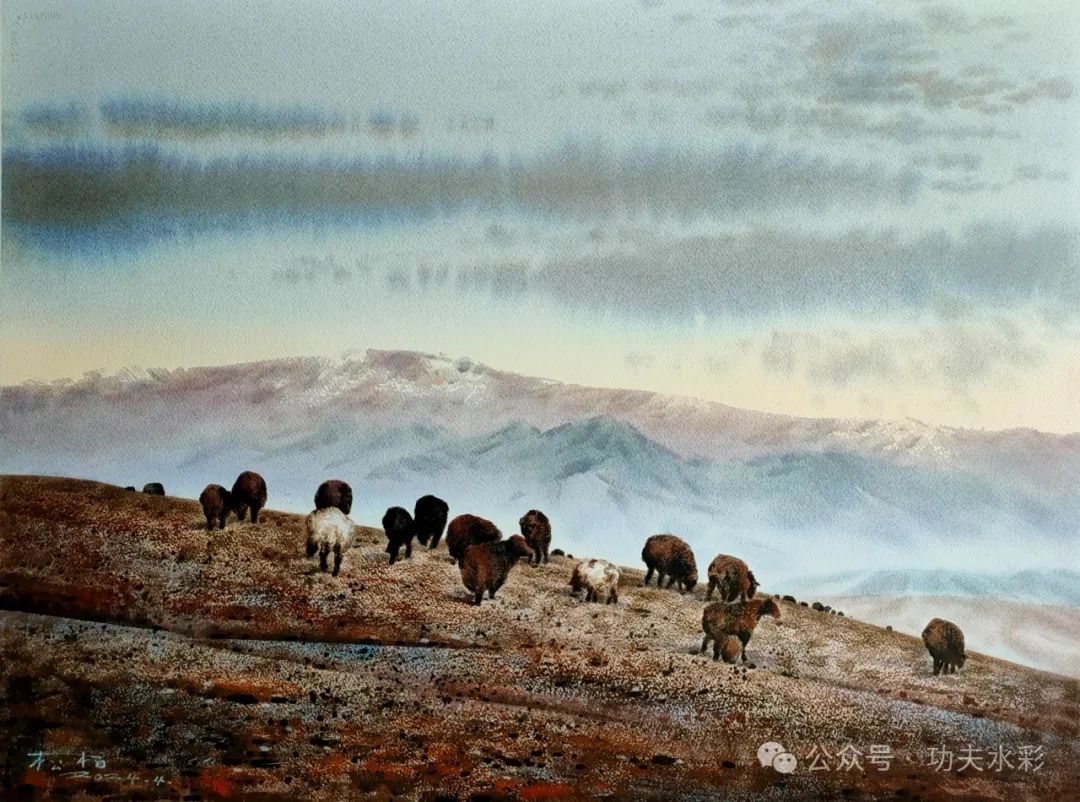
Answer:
(850, 209)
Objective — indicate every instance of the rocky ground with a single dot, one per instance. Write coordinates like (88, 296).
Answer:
(146, 658)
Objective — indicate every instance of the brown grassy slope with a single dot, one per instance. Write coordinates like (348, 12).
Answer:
(533, 695)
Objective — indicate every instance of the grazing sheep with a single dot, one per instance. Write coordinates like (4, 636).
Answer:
(721, 619)
(429, 517)
(334, 493)
(945, 642)
(735, 581)
(399, 529)
(249, 492)
(154, 489)
(536, 529)
(130, 488)
(598, 578)
(485, 566)
(329, 530)
(468, 530)
(216, 505)
(670, 556)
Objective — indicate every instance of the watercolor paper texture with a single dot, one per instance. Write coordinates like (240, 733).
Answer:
(796, 282)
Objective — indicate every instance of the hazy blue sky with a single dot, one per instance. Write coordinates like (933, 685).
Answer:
(852, 208)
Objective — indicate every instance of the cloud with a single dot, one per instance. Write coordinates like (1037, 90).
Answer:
(95, 186)
(958, 356)
(765, 271)
(887, 59)
(166, 119)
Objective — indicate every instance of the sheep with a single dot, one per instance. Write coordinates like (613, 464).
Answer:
(597, 578)
(399, 529)
(735, 581)
(945, 642)
(334, 493)
(154, 489)
(721, 619)
(468, 530)
(329, 529)
(671, 556)
(216, 504)
(249, 492)
(429, 516)
(536, 529)
(485, 566)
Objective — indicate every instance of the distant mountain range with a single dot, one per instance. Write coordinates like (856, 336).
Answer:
(796, 496)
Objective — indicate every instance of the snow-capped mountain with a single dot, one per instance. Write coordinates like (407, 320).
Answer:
(793, 495)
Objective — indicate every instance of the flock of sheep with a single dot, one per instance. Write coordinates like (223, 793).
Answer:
(476, 545)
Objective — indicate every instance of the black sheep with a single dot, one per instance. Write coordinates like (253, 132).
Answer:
(400, 530)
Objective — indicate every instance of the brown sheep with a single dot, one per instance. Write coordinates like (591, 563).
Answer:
(670, 556)
(734, 579)
(721, 619)
(154, 489)
(945, 642)
(429, 516)
(249, 492)
(536, 529)
(334, 493)
(399, 529)
(485, 566)
(468, 530)
(216, 504)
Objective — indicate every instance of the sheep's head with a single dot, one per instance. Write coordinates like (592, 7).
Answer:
(518, 547)
(529, 520)
(961, 660)
(689, 582)
(750, 591)
(770, 607)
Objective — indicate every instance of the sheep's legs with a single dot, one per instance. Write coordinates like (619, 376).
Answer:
(671, 581)
(324, 552)
(648, 576)
(221, 520)
(716, 650)
(613, 597)
(337, 558)
(311, 548)
(408, 550)
(254, 514)
(478, 597)
(937, 666)
(704, 644)
(210, 523)
(744, 642)
(708, 593)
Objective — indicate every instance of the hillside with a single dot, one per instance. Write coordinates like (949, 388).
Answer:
(796, 496)
(227, 667)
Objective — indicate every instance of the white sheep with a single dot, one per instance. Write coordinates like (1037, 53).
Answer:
(329, 529)
(598, 578)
